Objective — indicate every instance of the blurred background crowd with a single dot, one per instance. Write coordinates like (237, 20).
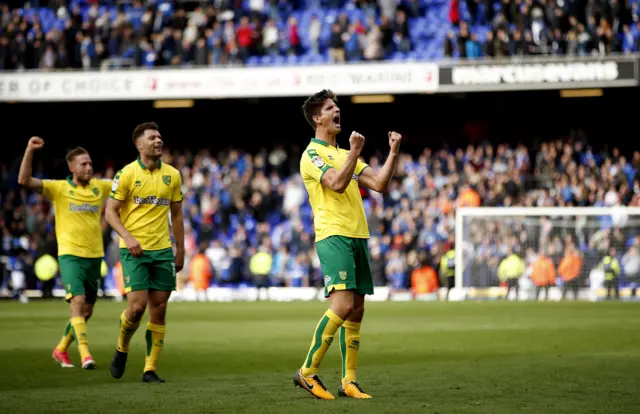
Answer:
(86, 34)
(248, 220)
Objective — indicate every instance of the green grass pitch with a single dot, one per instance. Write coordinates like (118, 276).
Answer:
(476, 357)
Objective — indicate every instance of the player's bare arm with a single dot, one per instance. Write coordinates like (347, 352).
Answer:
(177, 223)
(24, 176)
(380, 181)
(339, 180)
(112, 214)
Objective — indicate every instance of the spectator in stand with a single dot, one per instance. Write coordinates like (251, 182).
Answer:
(336, 44)
(315, 29)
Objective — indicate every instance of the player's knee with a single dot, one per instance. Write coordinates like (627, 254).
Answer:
(160, 307)
(357, 313)
(77, 305)
(157, 313)
(343, 308)
(137, 310)
(87, 314)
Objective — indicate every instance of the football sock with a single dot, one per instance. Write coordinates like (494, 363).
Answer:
(349, 348)
(155, 343)
(80, 330)
(66, 339)
(127, 329)
(322, 339)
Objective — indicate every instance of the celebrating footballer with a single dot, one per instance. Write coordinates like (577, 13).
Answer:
(143, 194)
(331, 176)
(77, 203)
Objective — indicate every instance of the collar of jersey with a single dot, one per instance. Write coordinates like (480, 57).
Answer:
(144, 167)
(72, 184)
(70, 181)
(320, 142)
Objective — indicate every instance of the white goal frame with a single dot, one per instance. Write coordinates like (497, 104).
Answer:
(487, 212)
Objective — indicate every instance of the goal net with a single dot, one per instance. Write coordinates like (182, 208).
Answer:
(547, 252)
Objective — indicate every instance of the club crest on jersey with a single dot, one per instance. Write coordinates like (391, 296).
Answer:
(95, 191)
(343, 275)
(166, 179)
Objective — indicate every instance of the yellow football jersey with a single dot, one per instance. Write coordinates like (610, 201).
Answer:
(147, 197)
(78, 212)
(334, 214)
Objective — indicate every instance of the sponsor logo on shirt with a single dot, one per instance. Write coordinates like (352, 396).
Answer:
(116, 182)
(317, 161)
(83, 208)
(153, 200)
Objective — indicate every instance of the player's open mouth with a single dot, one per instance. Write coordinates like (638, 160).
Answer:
(336, 120)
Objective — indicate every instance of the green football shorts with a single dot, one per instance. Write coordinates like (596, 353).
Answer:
(345, 265)
(154, 270)
(80, 276)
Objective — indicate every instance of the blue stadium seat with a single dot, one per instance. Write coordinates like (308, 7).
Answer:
(253, 61)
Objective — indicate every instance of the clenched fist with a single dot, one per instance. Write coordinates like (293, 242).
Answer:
(357, 142)
(35, 143)
(394, 141)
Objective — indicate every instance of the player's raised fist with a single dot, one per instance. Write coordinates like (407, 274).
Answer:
(35, 143)
(356, 141)
(394, 141)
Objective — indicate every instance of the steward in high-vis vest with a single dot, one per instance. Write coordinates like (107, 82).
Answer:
(543, 274)
(611, 268)
(510, 270)
(448, 268)
(569, 271)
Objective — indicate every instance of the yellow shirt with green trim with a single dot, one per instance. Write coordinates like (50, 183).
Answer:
(335, 214)
(147, 196)
(78, 213)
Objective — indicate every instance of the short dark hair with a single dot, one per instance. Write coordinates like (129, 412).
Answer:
(139, 130)
(71, 155)
(313, 104)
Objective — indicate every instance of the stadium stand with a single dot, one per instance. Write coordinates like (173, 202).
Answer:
(91, 34)
(238, 204)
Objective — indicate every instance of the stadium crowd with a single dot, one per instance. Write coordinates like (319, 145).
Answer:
(249, 222)
(80, 34)
(83, 34)
(545, 27)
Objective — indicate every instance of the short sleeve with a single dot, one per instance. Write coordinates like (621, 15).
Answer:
(120, 186)
(313, 165)
(360, 166)
(105, 187)
(176, 196)
(51, 188)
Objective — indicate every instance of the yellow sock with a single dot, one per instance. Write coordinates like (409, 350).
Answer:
(349, 348)
(67, 338)
(322, 339)
(155, 343)
(80, 330)
(127, 329)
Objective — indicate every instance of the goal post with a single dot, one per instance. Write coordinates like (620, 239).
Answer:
(485, 235)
